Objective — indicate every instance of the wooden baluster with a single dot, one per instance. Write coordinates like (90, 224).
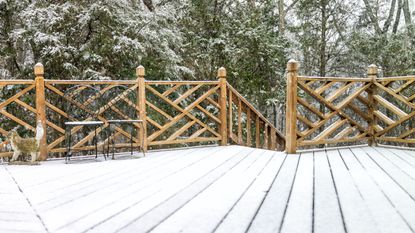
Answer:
(230, 114)
(372, 72)
(141, 101)
(240, 122)
(273, 139)
(41, 109)
(257, 133)
(266, 143)
(222, 104)
(291, 111)
(248, 127)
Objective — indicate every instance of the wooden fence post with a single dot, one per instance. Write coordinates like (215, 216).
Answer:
(372, 72)
(41, 109)
(141, 100)
(222, 104)
(291, 111)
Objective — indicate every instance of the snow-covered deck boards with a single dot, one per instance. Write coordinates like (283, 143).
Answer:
(215, 189)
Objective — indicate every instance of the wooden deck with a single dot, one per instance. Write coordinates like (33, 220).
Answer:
(215, 189)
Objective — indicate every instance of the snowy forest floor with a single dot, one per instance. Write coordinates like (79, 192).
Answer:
(215, 189)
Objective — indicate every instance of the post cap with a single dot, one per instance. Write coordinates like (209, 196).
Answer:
(292, 65)
(140, 71)
(222, 72)
(372, 70)
(39, 70)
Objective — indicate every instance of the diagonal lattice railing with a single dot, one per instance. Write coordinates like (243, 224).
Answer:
(336, 110)
(174, 113)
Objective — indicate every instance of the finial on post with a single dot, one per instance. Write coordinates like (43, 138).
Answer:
(39, 70)
(292, 65)
(372, 70)
(222, 72)
(140, 71)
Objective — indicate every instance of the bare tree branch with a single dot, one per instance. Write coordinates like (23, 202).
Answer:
(149, 5)
(390, 17)
(372, 17)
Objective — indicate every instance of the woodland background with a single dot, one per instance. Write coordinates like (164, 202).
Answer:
(191, 39)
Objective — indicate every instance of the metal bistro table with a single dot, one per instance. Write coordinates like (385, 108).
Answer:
(111, 133)
(68, 127)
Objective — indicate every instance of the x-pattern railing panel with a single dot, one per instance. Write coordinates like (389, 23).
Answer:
(111, 100)
(182, 112)
(17, 110)
(395, 109)
(331, 111)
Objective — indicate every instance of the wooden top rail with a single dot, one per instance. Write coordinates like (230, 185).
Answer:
(397, 78)
(334, 79)
(16, 82)
(151, 82)
(91, 82)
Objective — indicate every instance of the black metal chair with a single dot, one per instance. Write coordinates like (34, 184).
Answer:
(124, 112)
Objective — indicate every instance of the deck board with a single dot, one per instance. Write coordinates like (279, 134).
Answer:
(215, 189)
(327, 215)
(399, 198)
(384, 212)
(270, 214)
(299, 214)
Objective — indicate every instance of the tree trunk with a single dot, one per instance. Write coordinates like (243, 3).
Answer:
(398, 17)
(281, 13)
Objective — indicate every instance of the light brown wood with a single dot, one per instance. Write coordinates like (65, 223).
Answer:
(240, 141)
(372, 72)
(404, 86)
(230, 112)
(141, 102)
(389, 106)
(41, 109)
(291, 111)
(335, 79)
(383, 117)
(248, 128)
(17, 120)
(257, 133)
(333, 141)
(189, 140)
(397, 78)
(222, 103)
(396, 96)
(339, 92)
(184, 112)
(16, 82)
(273, 139)
(213, 83)
(90, 82)
(187, 93)
(16, 96)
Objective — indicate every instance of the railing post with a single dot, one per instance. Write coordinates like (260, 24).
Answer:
(291, 111)
(372, 72)
(41, 110)
(141, 100)
(222, 104)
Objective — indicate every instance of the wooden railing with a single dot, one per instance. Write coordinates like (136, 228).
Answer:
(336, 110)
(247, 126)
(174, 113)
